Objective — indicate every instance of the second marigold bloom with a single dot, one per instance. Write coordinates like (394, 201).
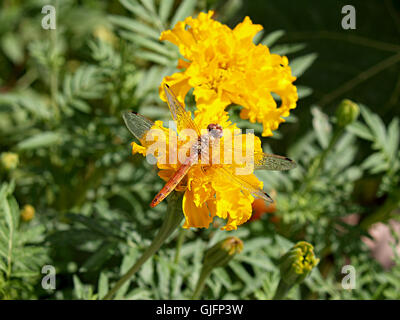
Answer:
(224, 66)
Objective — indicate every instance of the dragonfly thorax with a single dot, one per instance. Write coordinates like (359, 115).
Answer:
(215, 130)
(214, 133)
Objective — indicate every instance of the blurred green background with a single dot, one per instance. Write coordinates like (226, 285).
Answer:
(74, 197)
(349, 62)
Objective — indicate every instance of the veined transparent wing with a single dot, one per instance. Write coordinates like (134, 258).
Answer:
(268, 161)
(261, 160)
(179, 114)
(137, 124)
(255, 191)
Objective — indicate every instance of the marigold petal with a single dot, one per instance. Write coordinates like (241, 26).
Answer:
(196, 217)
(138, 149)
(246, 30)
(179, 85)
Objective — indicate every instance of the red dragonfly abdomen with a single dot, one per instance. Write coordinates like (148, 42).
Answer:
(172, 183)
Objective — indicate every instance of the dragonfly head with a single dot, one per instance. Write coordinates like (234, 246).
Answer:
(215, 130)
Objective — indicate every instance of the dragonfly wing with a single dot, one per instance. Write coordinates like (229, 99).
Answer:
(268, 161)
(255, 191)
(137, 124)
(179, 114)
(261, 160)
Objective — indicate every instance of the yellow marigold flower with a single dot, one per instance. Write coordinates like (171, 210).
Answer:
(224, 66)
(27, 213)
(207, 192)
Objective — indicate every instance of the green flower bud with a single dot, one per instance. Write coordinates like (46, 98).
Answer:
(294, 267)
(222, 252)
(347, 112)
(297, 263)
(9, 160)
(218, 255)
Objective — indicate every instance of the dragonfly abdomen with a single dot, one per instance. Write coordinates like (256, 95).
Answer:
(171, 184)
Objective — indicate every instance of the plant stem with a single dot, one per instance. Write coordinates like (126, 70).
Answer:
(172, 221)
(54, 72)
(181, 238)
(200, 283)
(282, 290)
(319, 161)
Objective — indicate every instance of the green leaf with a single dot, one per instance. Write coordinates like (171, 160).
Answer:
(375, 124)
(272, 37)
(164, 275)
(149, 4)
(321, 126)
(40, 140)
(80, 105)
(257, 243)
(304, 91)
(103, 285)
(100, 256)
(136, 8)
(78, 287)
(9, 233)
(139, 294)
(393, 138)
(12, 47)
(257, 38)
(360, 130)
(382, 167)
(165, 9)
(146, 272)
(375, 160)
(154, 57)
(134, 26)
(148, 44)
(185, 9)
(223, 277)
(241, 272)
(261, 262)
(230, 9)
(285, 49)
(301, 64)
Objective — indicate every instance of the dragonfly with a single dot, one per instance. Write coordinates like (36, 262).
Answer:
(139, 126)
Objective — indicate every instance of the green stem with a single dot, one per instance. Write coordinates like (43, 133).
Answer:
(201, 283)
(319, 161)
(282, 290)
(181, 238)
(172, 221)
(54, 72)
(337, 133)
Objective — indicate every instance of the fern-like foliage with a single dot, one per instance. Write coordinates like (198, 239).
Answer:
(22, 253)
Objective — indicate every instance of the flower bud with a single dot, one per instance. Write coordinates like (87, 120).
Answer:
(222, 252)
(9, 160)
(297, 263)
(347, 112)
(27, 213)
(218, 255)
(294, 267)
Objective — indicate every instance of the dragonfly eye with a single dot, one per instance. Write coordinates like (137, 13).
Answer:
(215, 130)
